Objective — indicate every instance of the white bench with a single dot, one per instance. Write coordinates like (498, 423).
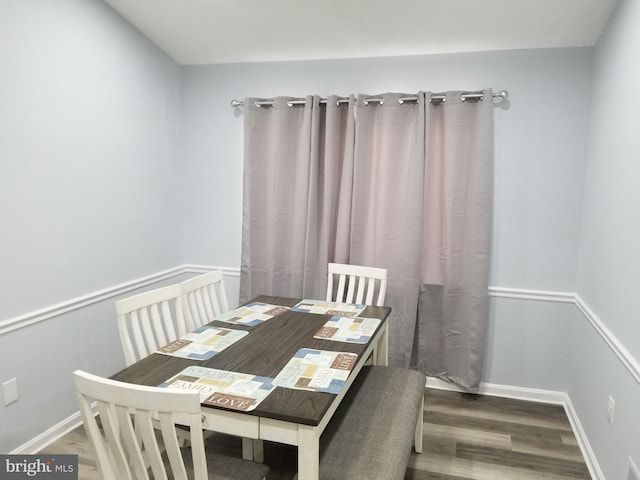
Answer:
(371, 434)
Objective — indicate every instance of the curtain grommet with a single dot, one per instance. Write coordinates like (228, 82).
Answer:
(472, 97)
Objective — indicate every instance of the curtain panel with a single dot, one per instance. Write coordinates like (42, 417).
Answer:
(296, 195)
(402, 185)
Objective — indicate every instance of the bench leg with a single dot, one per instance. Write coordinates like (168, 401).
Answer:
(417, 441)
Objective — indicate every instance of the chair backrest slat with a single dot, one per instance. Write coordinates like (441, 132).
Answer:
(147, 331)
(157, 326)
(371, 285)
(168, 326)
(148, 321)
(202, 299)
(360, 282)
(136, 325)
(128, 446)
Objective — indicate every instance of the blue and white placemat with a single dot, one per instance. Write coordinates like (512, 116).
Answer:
(221, 388)
(329, 308)
(252, 314)
(203, 343)
(317, 370)
(348, 329)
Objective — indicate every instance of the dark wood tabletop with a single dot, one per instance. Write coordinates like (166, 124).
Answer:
(265, 351)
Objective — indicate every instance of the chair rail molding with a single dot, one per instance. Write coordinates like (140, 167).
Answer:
(58, 309)
(525, 294)
(30, 318)
(228, 271)
(11, 324)
(620, 351)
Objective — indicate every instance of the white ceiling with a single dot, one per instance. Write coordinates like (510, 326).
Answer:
(230, 31)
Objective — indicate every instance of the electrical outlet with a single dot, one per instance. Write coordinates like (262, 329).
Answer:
(611, 408)
(10, 391)
(633, 471)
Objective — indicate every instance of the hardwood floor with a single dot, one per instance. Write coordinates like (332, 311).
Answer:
(465, 437)
(481, 437)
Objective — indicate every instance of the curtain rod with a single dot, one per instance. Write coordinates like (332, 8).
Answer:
(440, 98)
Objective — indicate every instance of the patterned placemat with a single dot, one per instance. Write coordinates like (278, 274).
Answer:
(317, 370)
(329, 308)
(221, 388)
(252, 314)
(203, 343)
(348, 329)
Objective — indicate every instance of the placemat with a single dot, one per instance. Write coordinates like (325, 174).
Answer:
(221, 388)
(348, 329)
(316, 370)
(252, 314)
(329, 308)
(203, 343)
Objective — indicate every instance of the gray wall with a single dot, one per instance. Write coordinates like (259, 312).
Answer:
(609, 259)
(89, 192)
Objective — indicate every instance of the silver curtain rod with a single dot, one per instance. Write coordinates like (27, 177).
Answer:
(435, 98)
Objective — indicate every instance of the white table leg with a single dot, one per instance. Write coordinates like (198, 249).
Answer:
(258, 450)
(308, 453)
(381, 352)
(252, 449)
(247, 448)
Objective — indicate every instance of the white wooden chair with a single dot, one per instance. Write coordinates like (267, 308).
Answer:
(127, 446)
(356, 284)
(148, 321)
(202, 298)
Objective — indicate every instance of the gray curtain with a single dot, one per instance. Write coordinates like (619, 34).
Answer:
(296, 194)
(403, 185)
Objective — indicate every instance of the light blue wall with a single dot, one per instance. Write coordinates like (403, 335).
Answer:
(88, 138)
(115, 163)
(540, 146)
(609, 253)
(89, 191)
(542, 141)
(527, 344)
(609, 259)
(541, 137)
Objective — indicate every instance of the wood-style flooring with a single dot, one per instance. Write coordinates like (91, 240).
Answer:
(465, 437)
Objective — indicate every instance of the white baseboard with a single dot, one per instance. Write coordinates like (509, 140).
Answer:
(505, 391)
(541, 396)
(583, 442)
(49, 436)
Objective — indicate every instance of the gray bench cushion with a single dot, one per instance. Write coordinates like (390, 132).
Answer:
(371, 434)
(223, 467)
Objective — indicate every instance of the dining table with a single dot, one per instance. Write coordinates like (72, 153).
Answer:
(294, 416)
